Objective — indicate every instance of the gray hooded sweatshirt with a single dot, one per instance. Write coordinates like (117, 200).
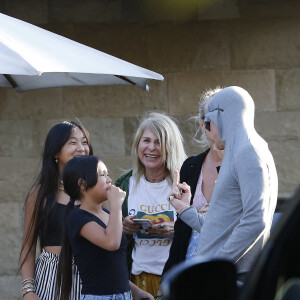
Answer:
(240, 215)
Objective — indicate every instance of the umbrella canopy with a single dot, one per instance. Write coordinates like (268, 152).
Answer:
(34, 58)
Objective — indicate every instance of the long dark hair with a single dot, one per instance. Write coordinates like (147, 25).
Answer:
(47, 183)
(78, 172)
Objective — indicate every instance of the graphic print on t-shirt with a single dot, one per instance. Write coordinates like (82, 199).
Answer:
(149, 200)
(161, 217)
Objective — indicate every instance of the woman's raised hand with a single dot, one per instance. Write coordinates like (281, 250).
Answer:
(180, 195)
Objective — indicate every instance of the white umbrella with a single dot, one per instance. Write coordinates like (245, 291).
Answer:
(34, 58)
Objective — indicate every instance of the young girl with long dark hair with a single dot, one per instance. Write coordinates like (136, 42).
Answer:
(94, 235)
(44, 211)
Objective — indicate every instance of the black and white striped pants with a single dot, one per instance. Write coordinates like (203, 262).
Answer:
(45, 277)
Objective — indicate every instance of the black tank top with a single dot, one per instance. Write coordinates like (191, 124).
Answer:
(52, 234)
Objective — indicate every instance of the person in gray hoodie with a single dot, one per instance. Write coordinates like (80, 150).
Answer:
(238, 222)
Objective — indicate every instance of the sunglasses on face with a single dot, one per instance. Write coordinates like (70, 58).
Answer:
(207, 125)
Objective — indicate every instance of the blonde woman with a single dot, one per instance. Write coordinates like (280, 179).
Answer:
(157, 151)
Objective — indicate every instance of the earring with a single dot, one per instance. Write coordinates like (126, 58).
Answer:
(56, 159)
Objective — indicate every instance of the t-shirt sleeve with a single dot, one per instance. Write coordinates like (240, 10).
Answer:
(76, 220)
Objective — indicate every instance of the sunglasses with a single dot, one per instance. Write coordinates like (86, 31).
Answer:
(207, 125)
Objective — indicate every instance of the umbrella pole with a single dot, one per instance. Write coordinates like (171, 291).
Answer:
(10, 80)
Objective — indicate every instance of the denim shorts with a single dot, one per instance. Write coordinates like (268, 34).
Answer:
(123, 296)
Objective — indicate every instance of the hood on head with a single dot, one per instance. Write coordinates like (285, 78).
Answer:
(232, 110)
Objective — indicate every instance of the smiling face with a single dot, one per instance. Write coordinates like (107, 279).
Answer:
(76, 145)
(149, 152)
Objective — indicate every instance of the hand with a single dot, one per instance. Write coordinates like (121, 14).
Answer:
(115, 197)
(164, 230)
(128, 226)
(180, 195)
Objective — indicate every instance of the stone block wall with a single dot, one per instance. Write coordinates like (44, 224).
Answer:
(250, 43)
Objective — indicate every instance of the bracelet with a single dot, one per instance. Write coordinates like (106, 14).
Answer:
(27, 285)
(27, 291)
(27, 280)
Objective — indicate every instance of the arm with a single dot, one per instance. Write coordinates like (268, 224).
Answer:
(28, 262)
(192, 218)
(180, 198)
(109, 238)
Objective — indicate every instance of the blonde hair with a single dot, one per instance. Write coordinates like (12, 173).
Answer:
(203, 104)
(170, 139)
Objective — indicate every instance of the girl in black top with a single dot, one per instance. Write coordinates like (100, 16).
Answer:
(94, 235)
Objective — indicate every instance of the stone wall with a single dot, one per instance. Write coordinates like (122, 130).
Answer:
(250, 43)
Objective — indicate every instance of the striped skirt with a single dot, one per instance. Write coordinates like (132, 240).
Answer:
(45, 277)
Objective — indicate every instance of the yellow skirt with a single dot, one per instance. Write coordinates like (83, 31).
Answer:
(147, 282)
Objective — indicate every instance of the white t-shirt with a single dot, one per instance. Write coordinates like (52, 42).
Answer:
(149, 200)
